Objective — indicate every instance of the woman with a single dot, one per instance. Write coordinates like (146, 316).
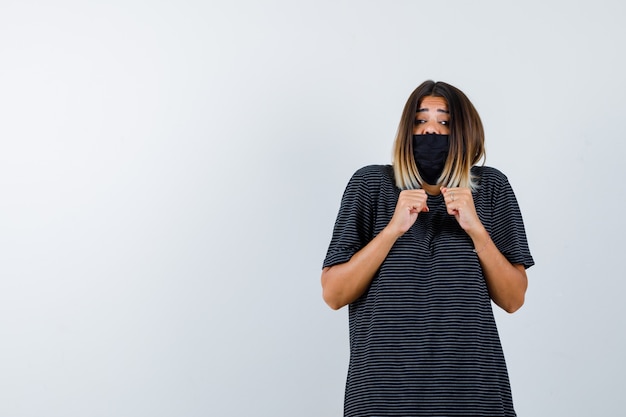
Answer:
(419, 250)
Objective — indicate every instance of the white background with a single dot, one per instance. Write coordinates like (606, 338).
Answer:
(170, 172)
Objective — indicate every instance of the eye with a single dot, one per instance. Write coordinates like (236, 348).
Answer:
(444, 122)
(419, 121)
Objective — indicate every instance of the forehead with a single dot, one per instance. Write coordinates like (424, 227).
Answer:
(430, 103)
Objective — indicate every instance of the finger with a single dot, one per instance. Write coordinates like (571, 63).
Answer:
(452, 210)
(451, 199)
(419, 207)
(449, 195)
(456, 195)
(414, 200)
(412, 206)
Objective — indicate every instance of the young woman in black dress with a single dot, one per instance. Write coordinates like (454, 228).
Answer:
(419, 250)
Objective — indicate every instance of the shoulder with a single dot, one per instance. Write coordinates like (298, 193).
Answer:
(370, 182)
(374, 174)
(493, 186)
(489, 177)
(375, 171)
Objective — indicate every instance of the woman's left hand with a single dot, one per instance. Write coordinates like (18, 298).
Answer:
(460, 204)
(506, 282)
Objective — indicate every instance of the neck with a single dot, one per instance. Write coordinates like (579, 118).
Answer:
(431, 189)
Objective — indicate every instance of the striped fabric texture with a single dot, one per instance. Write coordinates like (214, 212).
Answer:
(423, 339)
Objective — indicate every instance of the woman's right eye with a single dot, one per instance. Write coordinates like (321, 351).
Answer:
(419, 121)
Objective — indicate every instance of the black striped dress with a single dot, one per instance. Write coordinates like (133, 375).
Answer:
(423, 339)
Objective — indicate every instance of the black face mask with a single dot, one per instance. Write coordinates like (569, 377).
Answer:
(430, 152)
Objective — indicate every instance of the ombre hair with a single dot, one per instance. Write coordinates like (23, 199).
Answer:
(466, 138)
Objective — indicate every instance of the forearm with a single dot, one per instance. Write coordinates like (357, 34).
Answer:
(506, 282)
(344, 283)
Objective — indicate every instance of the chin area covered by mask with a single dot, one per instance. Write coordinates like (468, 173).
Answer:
(430, 152)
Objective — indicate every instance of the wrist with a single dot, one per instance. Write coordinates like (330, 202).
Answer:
(391, 233)
(481, 241)
(479, 250)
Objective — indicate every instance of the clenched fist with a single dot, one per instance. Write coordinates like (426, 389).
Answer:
(410, 204)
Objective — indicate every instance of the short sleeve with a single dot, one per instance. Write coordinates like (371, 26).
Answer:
(507, 230)
(354, 225)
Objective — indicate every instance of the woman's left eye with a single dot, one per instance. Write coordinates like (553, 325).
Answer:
(444, 122)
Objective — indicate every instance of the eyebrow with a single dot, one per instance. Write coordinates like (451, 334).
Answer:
(424, 109)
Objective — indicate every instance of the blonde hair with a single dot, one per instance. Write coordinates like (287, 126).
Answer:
(466, 138)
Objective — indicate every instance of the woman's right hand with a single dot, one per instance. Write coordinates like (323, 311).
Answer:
(410, 204)
(344, 283)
